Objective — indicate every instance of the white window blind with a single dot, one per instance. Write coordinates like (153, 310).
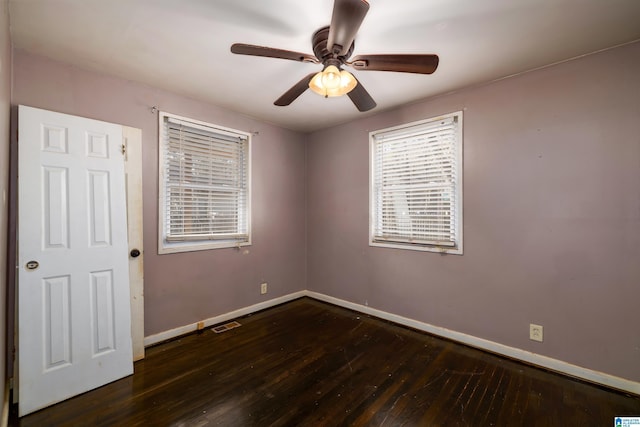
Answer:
(416, 185)
(205, 191)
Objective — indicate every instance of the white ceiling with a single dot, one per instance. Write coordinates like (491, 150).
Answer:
(183, 45)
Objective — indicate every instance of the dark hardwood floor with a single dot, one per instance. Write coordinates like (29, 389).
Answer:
(307, 363)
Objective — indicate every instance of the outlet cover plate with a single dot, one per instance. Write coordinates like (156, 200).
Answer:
(535, 332)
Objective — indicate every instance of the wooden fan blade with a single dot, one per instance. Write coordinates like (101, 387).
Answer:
(269, 52)
(421, 64)
(296, 90)
(345, 22)
(361, 98)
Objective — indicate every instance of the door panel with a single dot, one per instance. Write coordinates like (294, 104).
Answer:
(74, 329)
(56, 206)
(57, 321)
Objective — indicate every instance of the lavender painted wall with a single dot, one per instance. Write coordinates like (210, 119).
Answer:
(551, 216)
(184, 288)
(5, 102)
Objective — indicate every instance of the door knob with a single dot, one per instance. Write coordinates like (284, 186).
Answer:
(32, 265)
(134, 253)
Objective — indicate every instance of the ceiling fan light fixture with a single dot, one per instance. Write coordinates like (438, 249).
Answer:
(332, 82)
(331, 77)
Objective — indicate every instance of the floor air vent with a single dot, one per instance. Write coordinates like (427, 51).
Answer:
(226, 327)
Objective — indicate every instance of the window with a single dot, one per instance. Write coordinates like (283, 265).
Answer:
(204, 186)
(416, 185)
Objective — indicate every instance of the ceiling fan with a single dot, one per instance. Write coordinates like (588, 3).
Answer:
(332, 47)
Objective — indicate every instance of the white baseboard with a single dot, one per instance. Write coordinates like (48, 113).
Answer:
(493, 347)
(182, 330)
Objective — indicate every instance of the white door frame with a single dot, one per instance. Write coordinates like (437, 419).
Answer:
(132, 138)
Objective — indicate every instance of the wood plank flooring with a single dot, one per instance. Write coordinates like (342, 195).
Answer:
(307, 363)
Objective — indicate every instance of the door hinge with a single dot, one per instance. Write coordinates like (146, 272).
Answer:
(123, 149)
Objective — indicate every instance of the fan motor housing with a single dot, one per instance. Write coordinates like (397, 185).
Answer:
(320, 50)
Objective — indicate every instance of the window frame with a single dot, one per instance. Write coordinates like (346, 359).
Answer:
(457, 247)
(164, 245)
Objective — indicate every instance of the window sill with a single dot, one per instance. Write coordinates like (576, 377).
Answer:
(176, 247)
(444, 250)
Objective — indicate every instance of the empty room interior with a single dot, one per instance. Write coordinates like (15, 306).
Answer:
(321, 212)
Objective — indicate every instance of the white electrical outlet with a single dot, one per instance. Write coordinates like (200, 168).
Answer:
(535, 332)
(263, 288)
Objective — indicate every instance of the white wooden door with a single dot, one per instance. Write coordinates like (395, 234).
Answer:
(74, 325)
